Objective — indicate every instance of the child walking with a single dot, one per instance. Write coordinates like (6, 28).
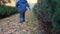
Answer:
(21, 5)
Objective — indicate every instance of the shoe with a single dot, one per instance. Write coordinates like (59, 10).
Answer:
(21, 20)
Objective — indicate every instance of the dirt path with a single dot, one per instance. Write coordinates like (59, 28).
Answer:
(11, 25)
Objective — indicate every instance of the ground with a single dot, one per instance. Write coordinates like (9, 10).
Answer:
(11, 25)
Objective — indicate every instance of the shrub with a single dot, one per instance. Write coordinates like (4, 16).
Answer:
(51, 11)
(7, 10)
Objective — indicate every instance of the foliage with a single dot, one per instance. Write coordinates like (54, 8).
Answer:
(51, 12)
(7, 10)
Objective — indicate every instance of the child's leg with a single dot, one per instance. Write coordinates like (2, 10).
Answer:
(21, 18)
(24, 17)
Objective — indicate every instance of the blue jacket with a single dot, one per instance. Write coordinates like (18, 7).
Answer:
(22, 4)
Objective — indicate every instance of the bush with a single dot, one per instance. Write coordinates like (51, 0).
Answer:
(51, 11)
(7, 10)
(35, 10)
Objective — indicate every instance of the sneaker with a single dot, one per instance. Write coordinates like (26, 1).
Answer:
(21, 20)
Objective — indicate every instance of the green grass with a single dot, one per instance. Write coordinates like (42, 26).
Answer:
(7, 10)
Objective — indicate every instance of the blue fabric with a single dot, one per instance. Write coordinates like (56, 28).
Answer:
(22, 4)
(22, 17)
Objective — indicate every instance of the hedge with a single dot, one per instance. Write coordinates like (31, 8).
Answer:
(7, 10)
(49, 9)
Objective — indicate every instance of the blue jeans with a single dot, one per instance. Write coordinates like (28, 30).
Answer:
(22, 17)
